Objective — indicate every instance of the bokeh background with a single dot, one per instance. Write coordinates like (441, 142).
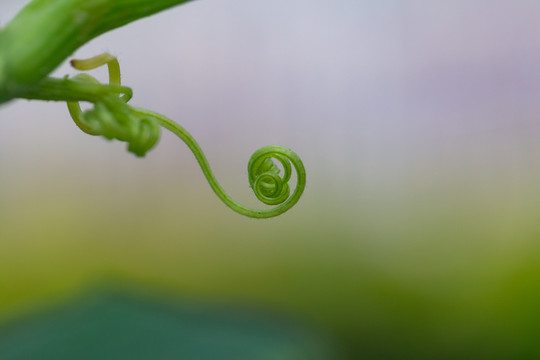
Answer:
(418, 122)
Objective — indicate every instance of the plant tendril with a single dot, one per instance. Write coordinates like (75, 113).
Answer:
(113, 118)
(264, 177)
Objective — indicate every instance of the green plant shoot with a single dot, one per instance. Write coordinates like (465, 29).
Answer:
(46, 32)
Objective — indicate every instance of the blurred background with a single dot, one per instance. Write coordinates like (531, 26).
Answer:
(418, 235)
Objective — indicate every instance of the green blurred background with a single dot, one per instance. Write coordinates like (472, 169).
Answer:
(418, 234)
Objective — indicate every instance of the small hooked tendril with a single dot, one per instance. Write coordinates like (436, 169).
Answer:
(113, 118)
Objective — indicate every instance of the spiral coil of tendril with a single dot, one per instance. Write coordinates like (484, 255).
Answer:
(266, 182)
(112, 118)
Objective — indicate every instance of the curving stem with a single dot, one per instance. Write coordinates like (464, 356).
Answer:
(260, 157)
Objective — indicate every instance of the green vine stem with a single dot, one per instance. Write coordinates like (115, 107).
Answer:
(46, 32)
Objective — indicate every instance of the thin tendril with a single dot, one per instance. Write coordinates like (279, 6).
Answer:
(113, 118)
(74, 108)
(259, 171)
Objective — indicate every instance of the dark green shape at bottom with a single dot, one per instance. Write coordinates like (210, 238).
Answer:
(116, 325)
